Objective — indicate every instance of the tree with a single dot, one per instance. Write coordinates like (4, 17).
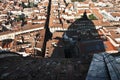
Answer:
(23, 5)
(22, 17)
(78, 0)
(92, 17)
(94, 0)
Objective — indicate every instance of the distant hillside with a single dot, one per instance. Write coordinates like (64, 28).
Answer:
(78, 0)
(82, 0)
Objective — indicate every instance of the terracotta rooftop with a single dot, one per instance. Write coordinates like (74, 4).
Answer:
(56, 39)
(24, 1)
(82, 11)
(97, 22)
(116, 14)
(109, 46)
(97, 14)
(115, 34)
(27, 27)
(41, 40)
(105, 23)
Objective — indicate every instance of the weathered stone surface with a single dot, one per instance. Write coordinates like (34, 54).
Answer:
(45, 69)
(97, 70)
(104, 67)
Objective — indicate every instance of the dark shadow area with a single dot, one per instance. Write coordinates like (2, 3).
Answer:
(80, 40)
(48, 34)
